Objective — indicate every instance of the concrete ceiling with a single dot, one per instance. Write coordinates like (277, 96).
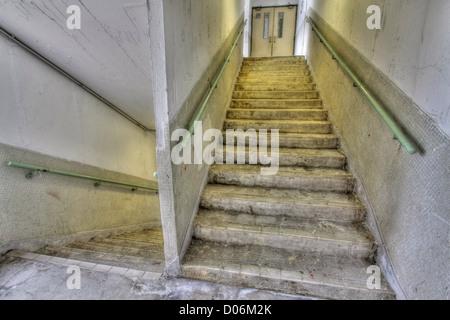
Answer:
(110, 53)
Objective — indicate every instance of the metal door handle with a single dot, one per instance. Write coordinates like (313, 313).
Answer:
(270, 39)
(274, 39)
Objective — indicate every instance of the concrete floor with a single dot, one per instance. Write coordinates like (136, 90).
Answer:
(22, 279)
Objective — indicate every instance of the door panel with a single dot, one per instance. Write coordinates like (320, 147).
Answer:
(284, 31)
(273, 31)
(262, 32)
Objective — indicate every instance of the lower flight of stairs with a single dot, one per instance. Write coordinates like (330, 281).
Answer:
(300, 231)
(136, 254)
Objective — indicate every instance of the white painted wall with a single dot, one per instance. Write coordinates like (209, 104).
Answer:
(43, 111)
(412, 48)
(196, 32)
(110, 53)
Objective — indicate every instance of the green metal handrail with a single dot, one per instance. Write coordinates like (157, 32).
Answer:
(206, 99)
(36, 170)
(396, 129)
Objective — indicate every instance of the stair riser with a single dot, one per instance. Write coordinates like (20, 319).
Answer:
(279, 80)
(267, 68)
(272, 104)
(289, 160)
(275, 59)
(283, 182)
(283, 127)
(275, 95)
(102, 258)
(275, 87)
(303, 244)
(274, 63)
(295, 142)
(283, 209)
(246, 114)
(281, 283)
(275, 74)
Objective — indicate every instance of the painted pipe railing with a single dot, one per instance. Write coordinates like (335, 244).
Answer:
(399, 133)
(201, 108)
(35, 170)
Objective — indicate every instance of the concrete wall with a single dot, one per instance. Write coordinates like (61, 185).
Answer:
(110, 53)
(406, 195)
(191, 41)
(412, 48)
(45, 119)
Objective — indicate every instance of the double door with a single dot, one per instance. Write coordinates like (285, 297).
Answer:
(273, 31)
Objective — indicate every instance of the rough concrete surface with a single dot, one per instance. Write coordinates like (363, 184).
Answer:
(22, 279)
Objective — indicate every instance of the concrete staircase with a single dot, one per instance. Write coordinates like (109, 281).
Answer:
(301, 231)
(137, 254)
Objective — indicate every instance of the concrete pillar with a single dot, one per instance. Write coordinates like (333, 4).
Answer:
(165, 174)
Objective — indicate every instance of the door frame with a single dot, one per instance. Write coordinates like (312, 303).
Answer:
(278, 6)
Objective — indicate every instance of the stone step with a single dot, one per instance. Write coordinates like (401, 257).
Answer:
(278, 114)
(273, 103)
(278, 80)
(278, 67)
(275, 95)
(327, 238)
(314, 158)
(273, 75)
(305, 179)
(120, 249)
(269, 60)
(262, 267)
(106, 259)
(284, 126)
(154, 250)
(283, 202)
(299, 63)
(287, 86)
(285, 140)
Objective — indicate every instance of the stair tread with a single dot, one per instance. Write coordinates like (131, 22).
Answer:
(106, 258)
(326, 153)
(278, 114)
(246, 169)
(282, 265)
(299, 178)
(326, 158)
(275, 100)
(353, 232)
(151, 245)
(292, 135)
(293, 126)
(275, 195)
(117, 249)
(291, 140)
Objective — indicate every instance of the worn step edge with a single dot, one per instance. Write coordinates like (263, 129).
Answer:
(328, 238)
(275, 87)
(156, 247)
(285, 140)
(148, 269)
(276, 103)
(277, 114)
(277, 95)
(111, 249)
(307, 179)
(274, 73)
(283, 202)
(284, 126)
(320, 277)
(315, 158)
